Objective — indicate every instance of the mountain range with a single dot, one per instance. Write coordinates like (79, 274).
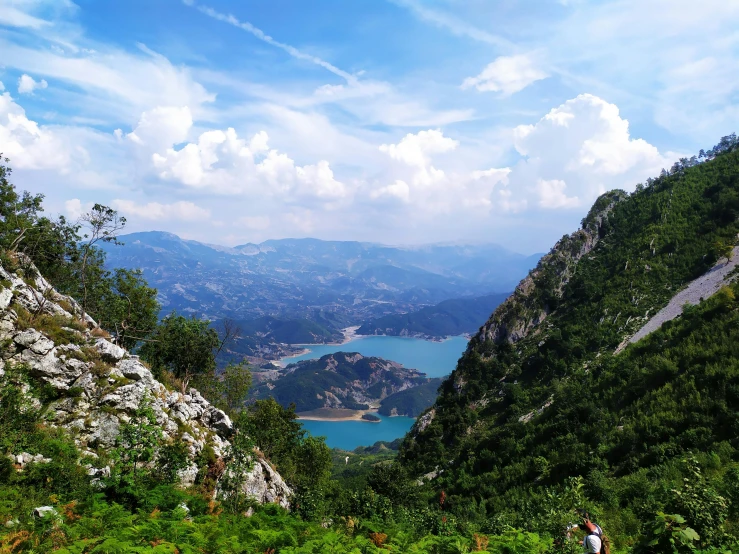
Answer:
(295, 278)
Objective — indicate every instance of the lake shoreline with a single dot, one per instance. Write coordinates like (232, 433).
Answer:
(337, 414)
(434, 358)
(350, 333)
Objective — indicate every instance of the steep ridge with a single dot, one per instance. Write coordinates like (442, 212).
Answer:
(539, 395)
(90, 387)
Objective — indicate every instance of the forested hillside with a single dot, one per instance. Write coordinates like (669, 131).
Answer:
(450, 317)
(348, 380)
(540, 397)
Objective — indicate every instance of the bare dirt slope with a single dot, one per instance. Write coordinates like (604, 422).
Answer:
(703, 287)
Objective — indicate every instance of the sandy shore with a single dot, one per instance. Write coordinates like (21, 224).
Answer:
(350, 333)
(336, 414)
(280, 362)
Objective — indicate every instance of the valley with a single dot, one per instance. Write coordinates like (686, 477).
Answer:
(369, 277)
(305, 291)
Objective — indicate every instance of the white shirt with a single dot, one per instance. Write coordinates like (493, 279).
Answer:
(592, 544)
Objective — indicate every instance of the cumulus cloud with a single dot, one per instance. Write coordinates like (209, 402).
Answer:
(578, 151)
(224, 163)
(74, 208)
(507, 75)
(162, 127)
(399, 189)
(415, 150)
(28, 144)
(552, 195)
(154, 211)
(26, 84)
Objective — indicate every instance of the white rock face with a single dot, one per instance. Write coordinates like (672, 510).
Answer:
(100, 385)
(109, 351)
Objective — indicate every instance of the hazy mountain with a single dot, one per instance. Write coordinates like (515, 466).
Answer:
(450, 317)
(295, 277)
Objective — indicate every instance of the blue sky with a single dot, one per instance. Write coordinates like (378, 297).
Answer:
(397, 121)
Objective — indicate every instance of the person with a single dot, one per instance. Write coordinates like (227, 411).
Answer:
(593, 540)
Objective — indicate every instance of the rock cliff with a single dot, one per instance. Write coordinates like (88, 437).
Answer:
(537, 295)
(94, 386)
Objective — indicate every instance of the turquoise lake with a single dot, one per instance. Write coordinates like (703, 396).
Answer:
(347, 435)
(435, 359)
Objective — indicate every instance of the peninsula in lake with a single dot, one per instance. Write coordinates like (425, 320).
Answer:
(346, 385)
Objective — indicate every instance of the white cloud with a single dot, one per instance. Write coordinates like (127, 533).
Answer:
(415, 150)
(507, 75)
(224, 163)
(154, 211)
(261, 35)
(552, 195)
(399, 189)
(26, 84)
(13, 17)
(453, 24)
(74, 208)
(578, 151)
(162, 127)
(27, 144)
(109, 83)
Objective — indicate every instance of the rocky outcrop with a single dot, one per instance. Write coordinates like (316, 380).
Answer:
(99, 385)
(537, 295)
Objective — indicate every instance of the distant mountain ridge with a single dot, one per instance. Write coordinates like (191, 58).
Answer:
(456, 316)
(297, 278)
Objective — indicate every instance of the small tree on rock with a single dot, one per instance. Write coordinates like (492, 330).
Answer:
(183, 346)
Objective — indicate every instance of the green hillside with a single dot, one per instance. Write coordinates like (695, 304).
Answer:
(288, 331)
(448, 318)
(540, 398)
(411, 402)
(352, 381)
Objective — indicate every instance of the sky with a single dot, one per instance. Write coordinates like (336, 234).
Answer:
(394, 121)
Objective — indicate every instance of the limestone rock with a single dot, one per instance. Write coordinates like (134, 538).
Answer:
(34, 340)
(100, 386)
(265, 485)
(6, 295)
(132, 368)
(109, 351)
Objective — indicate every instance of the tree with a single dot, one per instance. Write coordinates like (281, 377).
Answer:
(229, 390)
(724, 249)
(18, 213)
(136, 446)
(240, 456)
(103, 225)
(275, 429)
(236, 384)
(183, 346)
(129, 308)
